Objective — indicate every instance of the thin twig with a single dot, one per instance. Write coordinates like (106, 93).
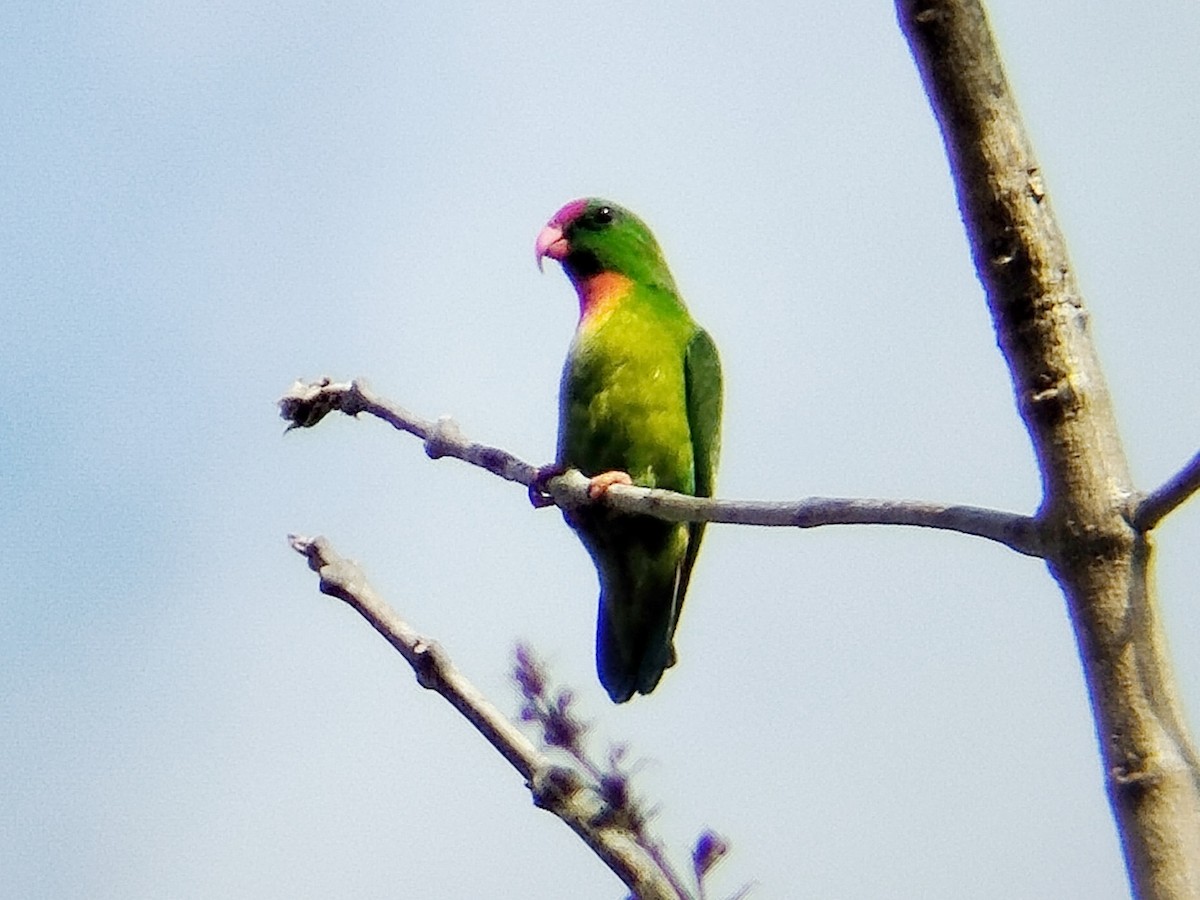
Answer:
(556, 788)
(1160, 503)
(306, 404)
(553, 712)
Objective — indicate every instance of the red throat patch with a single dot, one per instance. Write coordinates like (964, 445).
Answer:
(600, 294)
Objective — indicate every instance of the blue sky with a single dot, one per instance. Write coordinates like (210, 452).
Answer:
(202, 202)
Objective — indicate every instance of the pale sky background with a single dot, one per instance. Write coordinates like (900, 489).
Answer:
(201, 202)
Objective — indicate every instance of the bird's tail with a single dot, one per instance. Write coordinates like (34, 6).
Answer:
(634, 637)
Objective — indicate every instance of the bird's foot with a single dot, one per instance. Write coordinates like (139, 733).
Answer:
(539, 496)
(598, 485)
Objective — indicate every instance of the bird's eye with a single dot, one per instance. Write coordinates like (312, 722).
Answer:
(603, 215)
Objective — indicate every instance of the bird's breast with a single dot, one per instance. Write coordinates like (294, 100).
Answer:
(624, 406)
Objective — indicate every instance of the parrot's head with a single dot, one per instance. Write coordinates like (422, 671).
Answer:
(591, 237)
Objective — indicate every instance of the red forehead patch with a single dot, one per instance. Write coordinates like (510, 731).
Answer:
(570, 212)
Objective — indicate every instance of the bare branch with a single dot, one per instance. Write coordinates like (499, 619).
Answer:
(1018, 532)
(1162, 502)
(1099, 560)
(306, 404)
(555, 788)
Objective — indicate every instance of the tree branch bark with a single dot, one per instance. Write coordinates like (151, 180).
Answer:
(555, 788)
(1100, 560)
(306, 404)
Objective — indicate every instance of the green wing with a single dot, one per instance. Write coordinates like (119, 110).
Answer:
(702, 372)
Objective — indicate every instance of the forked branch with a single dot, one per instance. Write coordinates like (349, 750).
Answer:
(1100, 560)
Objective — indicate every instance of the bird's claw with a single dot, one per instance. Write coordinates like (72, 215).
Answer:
(539, 495)
(598, 485)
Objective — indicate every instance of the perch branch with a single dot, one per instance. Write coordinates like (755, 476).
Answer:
(1157, 506)
(306, 404)
(556, 788)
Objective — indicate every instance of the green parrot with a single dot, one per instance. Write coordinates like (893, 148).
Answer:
(639, 403)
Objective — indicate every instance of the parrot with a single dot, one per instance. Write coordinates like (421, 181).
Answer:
(639, 403)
